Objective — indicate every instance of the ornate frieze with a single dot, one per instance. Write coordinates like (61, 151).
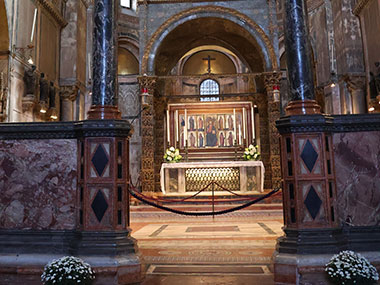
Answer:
(54, 12)
(360, 6)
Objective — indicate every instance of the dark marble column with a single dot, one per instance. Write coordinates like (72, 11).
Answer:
(104, 90)
(298, 50)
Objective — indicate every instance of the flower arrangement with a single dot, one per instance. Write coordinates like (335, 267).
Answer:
(251, 153)
(172, 155)
(347, 267)
(67, 270)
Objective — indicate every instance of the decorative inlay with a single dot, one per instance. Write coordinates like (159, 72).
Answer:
(99, 205)
(100, 160)
(313, 202)
(309, 156)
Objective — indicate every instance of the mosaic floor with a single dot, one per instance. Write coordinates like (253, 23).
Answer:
(232, 249)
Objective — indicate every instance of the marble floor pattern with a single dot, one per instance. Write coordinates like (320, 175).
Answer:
(230, 249)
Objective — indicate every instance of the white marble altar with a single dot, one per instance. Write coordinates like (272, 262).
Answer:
(248, 171)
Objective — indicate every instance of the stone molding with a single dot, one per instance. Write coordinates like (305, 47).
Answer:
(204, 9)
(66, 130)
(329, 123)
(48, 6)
(360, 6)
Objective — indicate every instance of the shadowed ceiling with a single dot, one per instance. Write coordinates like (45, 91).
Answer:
(208, 31)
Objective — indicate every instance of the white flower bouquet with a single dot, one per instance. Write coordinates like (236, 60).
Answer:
(67, 270)
(347, 267)
(172, 155)
(251, 153)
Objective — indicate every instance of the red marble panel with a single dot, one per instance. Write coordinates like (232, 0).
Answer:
(357, 166)
(38, 182)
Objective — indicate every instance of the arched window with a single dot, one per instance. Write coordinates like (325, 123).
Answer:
(209, 87)
(129, 4)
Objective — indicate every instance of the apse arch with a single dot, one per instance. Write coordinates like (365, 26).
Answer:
(4, 31)
(206, 12)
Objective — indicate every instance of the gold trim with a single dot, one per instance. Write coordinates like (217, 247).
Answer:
(53, 11)
(219, 9)
(359, 7)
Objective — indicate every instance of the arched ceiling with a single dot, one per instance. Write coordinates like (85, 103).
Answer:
(127, 62)
(198, 63)
(208, 31)
(4, 38)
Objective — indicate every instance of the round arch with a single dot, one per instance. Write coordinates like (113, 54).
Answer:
(262, 40)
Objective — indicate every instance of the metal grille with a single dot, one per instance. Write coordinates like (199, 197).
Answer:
(199, 178)
(209, 87)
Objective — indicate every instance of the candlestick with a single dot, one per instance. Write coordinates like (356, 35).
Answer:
(176, 126)
(235, 132)
(244, 122)
(33, 25)
(168, 125)
(240, 134)
(185, 131)
(253, 123)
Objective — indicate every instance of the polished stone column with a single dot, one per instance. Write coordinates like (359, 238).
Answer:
(104, 90)
(311, 228)
(298, 51)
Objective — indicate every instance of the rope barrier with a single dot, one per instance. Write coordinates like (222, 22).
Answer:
(146, 200)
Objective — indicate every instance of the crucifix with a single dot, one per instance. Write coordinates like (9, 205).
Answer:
(208, 58)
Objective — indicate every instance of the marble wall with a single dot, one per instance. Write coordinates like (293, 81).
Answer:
(38, 182)
(357, 165)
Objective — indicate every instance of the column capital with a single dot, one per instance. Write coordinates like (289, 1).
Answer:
(272, 79)
(355, 82)
(146, 81)
(69, 93)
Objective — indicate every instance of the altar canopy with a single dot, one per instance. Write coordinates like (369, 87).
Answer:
(236, 176)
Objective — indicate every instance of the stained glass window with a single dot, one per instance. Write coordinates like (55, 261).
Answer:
(209, 87)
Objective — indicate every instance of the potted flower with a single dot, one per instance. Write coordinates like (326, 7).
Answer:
(172, 155)
(66, 271)
(251, 153)
(348, 267)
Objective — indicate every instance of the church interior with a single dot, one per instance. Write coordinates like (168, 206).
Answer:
(94, 93)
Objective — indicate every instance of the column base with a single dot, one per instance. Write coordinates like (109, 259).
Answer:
(307, 107)
(104, 113)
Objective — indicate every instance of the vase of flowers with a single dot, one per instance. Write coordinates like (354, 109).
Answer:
(251, 152)
(348, 267)
(67, 270)
(172, 155)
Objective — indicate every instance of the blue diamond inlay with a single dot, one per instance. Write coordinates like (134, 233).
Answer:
(99, 205)
(309, 155)
(313, 202)
(100, 160)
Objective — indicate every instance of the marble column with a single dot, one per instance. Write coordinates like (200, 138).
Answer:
(298, 51)
(311, 227)
(68, 95)
(272, 84)
(104, 89)
(147, 85)
(356, 86)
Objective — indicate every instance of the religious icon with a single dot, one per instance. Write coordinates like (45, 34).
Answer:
(191, 123)
(200, 140)
(230, 139)
(230, 122)
(221, 122)
(211, 139)
(200, 124)
(192, 140)
(221, 139)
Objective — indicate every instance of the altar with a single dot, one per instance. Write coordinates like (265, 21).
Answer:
(189, 177)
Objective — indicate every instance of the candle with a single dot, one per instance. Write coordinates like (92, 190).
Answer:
(168, 125)
(185, 131)
(239, 134)
(253, 123)
(244, 121)
(34, 25)
(176, 126)
(235, 124)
